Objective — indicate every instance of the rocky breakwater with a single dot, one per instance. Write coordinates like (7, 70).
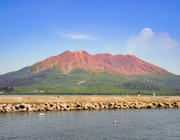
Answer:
(95, 104)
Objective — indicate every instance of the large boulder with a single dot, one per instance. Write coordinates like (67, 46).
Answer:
(96, 106)
(1, 109)
(101, 105)
(111, 105)
(42, 107)
(52, 107)
(79, 106)
(176, 105)
(14, 109)
(58, 107)
(125, 105)
(168, 105)
(90, 106)
(84, 106)
(161, 105)
(22, 109)
(65, 106)
(8, 108)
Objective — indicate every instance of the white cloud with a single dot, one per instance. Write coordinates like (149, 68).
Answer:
(79, 36)
(165, 42)
(147, 39)
(146, 33)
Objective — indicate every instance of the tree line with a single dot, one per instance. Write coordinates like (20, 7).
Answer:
(6, 89)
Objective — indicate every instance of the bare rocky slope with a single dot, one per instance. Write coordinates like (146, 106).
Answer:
(112, 64)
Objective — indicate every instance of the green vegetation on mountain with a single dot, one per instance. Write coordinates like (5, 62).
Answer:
(52, 81)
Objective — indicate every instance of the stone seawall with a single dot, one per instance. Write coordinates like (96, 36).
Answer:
(67, 103)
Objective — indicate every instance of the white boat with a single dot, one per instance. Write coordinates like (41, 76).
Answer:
(41, 114)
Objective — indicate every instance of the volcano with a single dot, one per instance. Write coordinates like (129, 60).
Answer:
(80, 71)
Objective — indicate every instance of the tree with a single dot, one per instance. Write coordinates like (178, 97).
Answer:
(11, 89)
(1, 88)
(6, 89)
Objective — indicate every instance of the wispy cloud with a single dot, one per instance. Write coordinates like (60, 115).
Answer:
(79, 36)
(147, 39)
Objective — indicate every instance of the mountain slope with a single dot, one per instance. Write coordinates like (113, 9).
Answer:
(82, 71)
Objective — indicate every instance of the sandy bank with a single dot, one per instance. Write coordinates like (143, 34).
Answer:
(74, 99)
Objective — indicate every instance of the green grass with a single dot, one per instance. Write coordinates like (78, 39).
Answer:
(94, 92)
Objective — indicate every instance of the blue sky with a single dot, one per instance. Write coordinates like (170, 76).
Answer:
(33, 30)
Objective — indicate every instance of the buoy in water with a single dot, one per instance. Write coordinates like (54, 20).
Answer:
(114, 122)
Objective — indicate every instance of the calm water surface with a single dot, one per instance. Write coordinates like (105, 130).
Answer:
(145, 124)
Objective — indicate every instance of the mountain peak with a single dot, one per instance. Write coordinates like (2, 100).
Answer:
(79, 52)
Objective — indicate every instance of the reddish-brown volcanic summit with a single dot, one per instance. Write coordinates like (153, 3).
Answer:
(112, 64)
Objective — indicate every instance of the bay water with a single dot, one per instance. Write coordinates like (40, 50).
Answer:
(140, 124)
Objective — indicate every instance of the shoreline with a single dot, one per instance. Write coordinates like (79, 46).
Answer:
(67, 103)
